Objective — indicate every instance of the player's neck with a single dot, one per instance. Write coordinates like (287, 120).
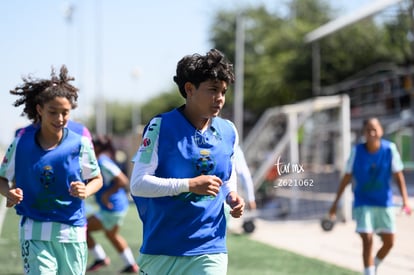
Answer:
(199, 122)
(372, 147)
(48, 141)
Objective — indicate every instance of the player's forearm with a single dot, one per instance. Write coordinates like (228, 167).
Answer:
(119, 182)
(400, 180)
(230, 185)
(151, 187)
(4, 186)
(94, 185)
(346, 179)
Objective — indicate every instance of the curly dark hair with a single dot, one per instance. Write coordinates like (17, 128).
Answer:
(198, 68)
(39, 91)
(103, 143)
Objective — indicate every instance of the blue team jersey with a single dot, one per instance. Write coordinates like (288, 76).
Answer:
(373, 174)
(110, 170)
(187, 224)
(45, 176)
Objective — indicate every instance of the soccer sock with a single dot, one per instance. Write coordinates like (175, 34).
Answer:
(377, 261)
(127, 256)
(98, 252)
(369, 270)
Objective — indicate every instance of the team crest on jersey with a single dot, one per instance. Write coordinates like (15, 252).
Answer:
(205, 164)
(47, 176)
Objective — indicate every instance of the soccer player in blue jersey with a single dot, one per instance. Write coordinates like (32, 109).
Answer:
(113, 203)
(53, 170)
(373, 164)
(183, 174)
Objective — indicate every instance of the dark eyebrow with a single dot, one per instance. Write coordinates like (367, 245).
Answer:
(53, 108)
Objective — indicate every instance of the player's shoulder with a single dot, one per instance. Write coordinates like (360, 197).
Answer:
(387, 143)
(79, 128)
(27, 129)
(74, 122)
(226, 124)
(153, 124)
(224, 121)
(76, 136)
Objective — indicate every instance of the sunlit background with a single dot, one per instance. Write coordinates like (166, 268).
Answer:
(117, 50)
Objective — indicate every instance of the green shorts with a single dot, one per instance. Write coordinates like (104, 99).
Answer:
(109, 219)
(53, 258)
(212, 264)
(371, 219)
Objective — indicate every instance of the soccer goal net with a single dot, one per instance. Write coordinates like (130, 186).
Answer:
(297, 153)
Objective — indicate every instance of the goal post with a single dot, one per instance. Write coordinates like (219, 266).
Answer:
(293, 145)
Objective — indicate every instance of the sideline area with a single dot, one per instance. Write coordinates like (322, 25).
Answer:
(341, 246)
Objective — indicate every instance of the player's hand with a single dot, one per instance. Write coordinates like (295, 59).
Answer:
(406, 209)
(205, 185)
(252, 205)
(105, 200)
(236, 203)
(14, 196)
(78, 189)
(332, 212)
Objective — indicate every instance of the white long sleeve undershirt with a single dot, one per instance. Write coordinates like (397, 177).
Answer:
(143, 183)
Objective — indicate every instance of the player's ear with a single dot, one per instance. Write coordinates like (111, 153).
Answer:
(39, 110)
(189, 89)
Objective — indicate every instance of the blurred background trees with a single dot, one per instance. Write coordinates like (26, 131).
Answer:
(278, 62)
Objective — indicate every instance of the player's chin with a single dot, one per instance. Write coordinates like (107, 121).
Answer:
(57, 127)
(215, 113)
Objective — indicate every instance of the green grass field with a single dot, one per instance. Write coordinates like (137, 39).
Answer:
(245, 256)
